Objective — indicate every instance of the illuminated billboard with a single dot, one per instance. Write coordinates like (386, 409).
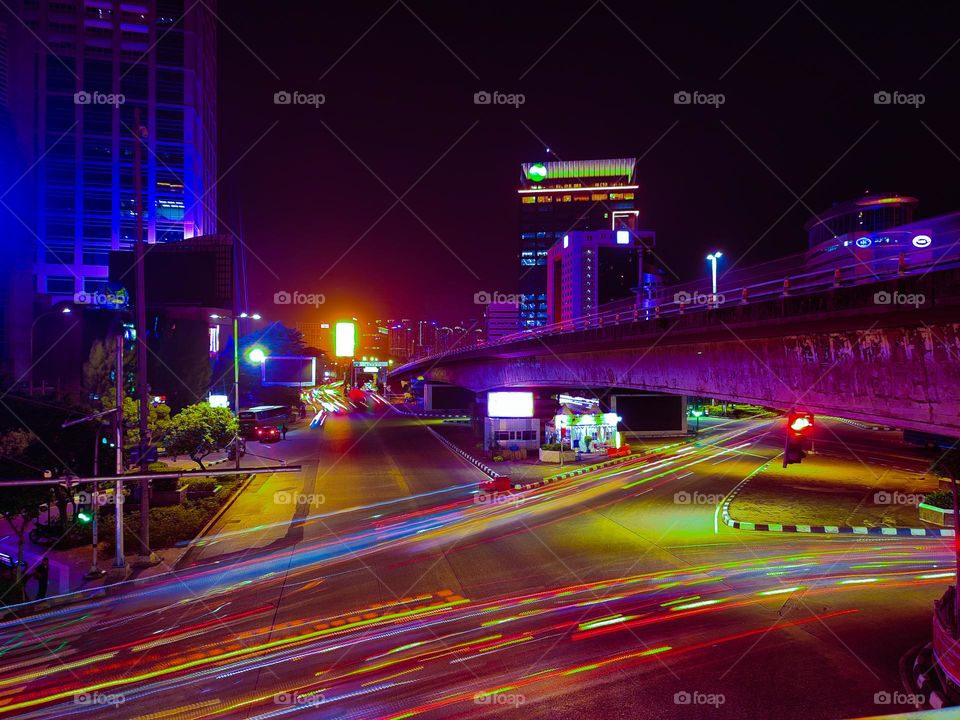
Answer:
(510, 404)
(290, 371)
(345, 339)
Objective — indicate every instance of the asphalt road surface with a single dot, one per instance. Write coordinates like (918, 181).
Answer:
(380, 583)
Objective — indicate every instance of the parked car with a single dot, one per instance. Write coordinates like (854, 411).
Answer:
(267, 433)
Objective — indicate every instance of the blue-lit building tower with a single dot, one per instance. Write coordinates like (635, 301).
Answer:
(558, 197)
(76, 72)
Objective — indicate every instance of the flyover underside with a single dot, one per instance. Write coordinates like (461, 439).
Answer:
(835, 353)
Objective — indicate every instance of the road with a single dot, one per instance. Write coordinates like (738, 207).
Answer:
(381, 584)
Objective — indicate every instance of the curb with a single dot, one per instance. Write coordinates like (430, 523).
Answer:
(210, 523)
(466, 456)
(857, 423)
(818, 529)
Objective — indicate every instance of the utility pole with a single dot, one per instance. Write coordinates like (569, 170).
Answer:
(144, 554)
(119, 562)
(236, 385)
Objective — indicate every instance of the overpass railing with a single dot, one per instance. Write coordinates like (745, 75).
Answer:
(686, 298)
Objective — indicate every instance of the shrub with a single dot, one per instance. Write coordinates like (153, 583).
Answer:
(203, 485)
(553, 446)
(940, 499)
(498, 458)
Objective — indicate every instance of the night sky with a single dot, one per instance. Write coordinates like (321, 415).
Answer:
(599, 79)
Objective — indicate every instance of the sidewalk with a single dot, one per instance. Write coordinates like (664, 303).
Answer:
(833, 492)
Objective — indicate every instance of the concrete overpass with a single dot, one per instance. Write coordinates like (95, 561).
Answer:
(836, 350)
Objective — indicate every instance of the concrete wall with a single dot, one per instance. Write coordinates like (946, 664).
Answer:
(838, 352)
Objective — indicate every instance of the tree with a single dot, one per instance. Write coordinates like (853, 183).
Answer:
(199, 430)
(158, 420)
(20, 506)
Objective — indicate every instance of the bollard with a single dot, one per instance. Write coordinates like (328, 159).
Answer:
(786, 286)
(901, 265)
(836, 277)
(743, 296)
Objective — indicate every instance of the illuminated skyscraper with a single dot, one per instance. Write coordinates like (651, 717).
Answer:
(557, 197)
(76, 71)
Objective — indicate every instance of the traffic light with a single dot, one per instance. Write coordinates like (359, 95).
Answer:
(85, 509)
(799, 430)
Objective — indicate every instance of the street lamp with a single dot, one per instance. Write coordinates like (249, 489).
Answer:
(256, 356)
(712, 258)
(236, 372)
(65, 310)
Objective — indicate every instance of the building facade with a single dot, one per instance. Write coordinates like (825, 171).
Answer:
(499, 320)
(587, 270)
(77, 72)
(559, 197)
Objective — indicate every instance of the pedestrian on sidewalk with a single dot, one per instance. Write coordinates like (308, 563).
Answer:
(283, 431)
(42, 573)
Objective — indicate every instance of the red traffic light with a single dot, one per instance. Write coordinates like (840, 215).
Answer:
(800, 422)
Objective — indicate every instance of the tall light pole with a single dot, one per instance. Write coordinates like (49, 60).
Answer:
(712, 258)
(236, 376)
(65, 310)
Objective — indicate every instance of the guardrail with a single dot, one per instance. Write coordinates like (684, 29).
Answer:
(686, 299)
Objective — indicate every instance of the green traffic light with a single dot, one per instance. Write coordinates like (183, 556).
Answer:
(84, 516)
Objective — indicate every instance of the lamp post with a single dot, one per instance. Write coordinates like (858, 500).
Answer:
(712, 258)
(236, 374)
(65, 310)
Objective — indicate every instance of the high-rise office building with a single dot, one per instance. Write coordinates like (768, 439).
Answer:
(76, 72)
(499, 320)
(559, 197)
(586, 270)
